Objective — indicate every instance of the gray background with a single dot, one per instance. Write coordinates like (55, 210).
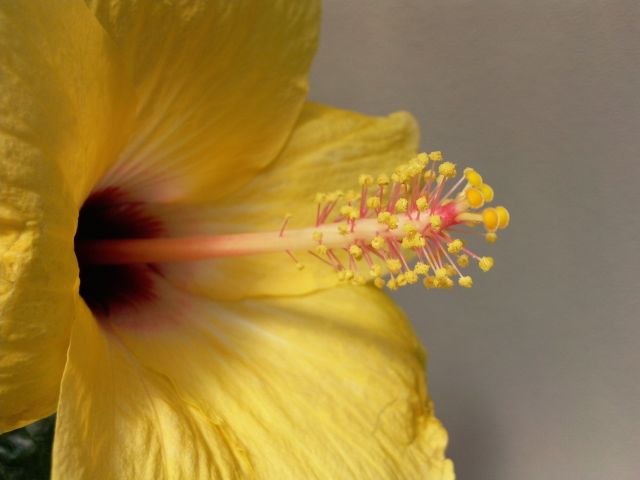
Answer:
(535, 370)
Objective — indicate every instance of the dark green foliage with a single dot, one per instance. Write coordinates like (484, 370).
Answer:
(25, 454)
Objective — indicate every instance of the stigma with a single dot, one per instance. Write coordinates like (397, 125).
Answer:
(396, 229)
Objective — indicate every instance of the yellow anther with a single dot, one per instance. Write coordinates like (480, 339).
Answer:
(378, 242)
(455, 246)
(359, 280)
(355, 251)
(379, 282)
(392, 223)
(348, 274)
(503, 217)
(451, 271)
(383, 217)
(351, 195)
(333, 196)
(490, 219)
(413, 240)
(321, 197)
(474, 197)
(401, 205)
(487, 192)
(466, 282)
(401, 280)
(414, 168)
(376, 270)
(490, 237)
(429, 175)
(392, 285)
(435, 156)
(341, 276)
(394, 265)
(444, 282)
(411, 277)
(436, 222)
(473, 177)
(383, 179)
(422, 159)
(365, 179)
(447, 169)
(422, 204)
(317, 236)
(299, 266)
(421, 268)
(373, 202)
(429, 282)
(343, 229)
(463, 260)
(441, 273)
(485, 264)
(399, 177)
(321, 250)
(409, 228)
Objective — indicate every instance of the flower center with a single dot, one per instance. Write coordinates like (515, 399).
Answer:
(108, 288)
(367, 235)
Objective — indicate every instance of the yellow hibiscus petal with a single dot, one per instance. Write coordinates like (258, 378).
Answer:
(54, 59)
(328, 150)
(329, 385)
(219, 87)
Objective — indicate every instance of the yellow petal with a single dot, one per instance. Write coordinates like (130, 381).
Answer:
(56, 109)
(328, 150)
(219, 85)
(326, 386)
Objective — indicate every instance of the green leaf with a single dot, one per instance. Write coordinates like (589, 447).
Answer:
(25, 453)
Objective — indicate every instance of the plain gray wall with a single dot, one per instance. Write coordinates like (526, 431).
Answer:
(535, 370)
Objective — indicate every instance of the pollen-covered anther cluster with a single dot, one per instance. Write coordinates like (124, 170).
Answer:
(403, 228)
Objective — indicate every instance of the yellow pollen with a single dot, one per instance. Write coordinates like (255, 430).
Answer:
(421, 268)
(411, 277)
(436, 222)
(487, 192)
(392, 285)
(435, 156)
(401, 280)
(365, 179)
(317, 236)
(343, 229)
(383, 179)
(451, 271)
(378, 242)
(376, 270)
(379, 282)
(321, 197)
(429, 175)
(401, 205)
(463, 260)
(447, 170)
(429, 282)
(466, 282)
(455, 246)
(490, 219)
(491, 237)
(321, 250)
(441, 273)
(373, 202)
(421, 204)
(503, 217)
(485, 264)
(473, 177)
(474, 197)
(355, 251)
(394, 265)
(409, 228)
(422, 159)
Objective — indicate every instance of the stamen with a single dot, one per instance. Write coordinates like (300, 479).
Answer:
(382, 227)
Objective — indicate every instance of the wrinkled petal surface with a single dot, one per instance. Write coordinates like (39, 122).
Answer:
(327, 386)
(219, 85)
(328, 150)
(57, 109)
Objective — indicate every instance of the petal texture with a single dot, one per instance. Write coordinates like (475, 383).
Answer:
(329, 385)
(219, 85)
(57, 105)
(328, 150)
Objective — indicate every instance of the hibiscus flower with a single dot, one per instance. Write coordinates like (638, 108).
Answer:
(147, 150)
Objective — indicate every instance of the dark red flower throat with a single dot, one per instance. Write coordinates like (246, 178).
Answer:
(107, 289)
